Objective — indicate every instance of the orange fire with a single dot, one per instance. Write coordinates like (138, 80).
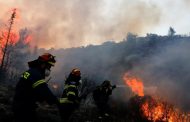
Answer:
(152, 108)
(134, 83)
(157, 110)
(28, 39)
(14, 36)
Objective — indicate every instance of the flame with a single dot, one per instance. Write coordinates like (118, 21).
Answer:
(14, 36)
(28, 39)
(157, 110)
(134, 83)
(153, 111)
(152, 108)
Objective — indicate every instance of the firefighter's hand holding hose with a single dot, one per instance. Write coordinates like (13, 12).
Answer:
(114, 86)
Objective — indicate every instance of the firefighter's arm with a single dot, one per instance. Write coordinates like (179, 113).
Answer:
(39, 86)
(42, 91)
(44, 94)
(114, 86)
(109, 90)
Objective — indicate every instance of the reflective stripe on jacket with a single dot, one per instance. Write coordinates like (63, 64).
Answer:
(64, 100)
(37, 83)
(70, 93)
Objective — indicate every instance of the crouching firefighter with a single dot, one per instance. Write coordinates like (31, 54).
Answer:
(70, 98)
(33, 88)
(101, 96)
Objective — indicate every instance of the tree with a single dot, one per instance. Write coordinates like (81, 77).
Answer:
(5, 52)
(7, 38)
(20, 54)
(171, 31)
(15, 51)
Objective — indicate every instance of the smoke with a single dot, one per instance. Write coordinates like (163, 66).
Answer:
(187, 2)
(66, 23)
(162, 62)
(168, 70)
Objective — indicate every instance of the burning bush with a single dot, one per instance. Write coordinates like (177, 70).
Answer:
(146, 108)
(150, 109)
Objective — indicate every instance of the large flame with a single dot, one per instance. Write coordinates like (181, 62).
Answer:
(158, 110)
(134, 83)
(12, 36)
(150, 107)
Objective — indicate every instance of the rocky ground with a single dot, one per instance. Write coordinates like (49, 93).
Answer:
(46, 113)
(6, 95)
(86, 113)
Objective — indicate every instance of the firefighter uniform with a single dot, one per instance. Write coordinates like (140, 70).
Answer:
(70, 99)
(101, 96)
(30, 89)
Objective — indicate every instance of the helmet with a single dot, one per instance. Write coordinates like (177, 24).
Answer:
(76, 72)
(48, 58)
(106, 83)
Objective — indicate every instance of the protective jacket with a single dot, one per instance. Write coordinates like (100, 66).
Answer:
(69, 101)
(70, 93)
(30, 89)
(101, 94)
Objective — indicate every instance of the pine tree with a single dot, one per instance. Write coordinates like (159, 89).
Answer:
(5, 57)
(8, 37)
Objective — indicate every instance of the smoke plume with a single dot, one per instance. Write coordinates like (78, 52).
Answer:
(66, 23)
(162, 62)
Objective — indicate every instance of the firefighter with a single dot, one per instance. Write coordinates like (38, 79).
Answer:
(101, 96)
(32, 88)
(70, 98)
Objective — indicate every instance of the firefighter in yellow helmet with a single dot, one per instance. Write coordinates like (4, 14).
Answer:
(70, 97)
(32, 88)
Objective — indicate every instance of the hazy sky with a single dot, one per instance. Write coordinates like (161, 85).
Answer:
(72, 23)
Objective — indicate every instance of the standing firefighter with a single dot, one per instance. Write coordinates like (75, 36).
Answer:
(101, 96)
(33, 88)
(70, 97)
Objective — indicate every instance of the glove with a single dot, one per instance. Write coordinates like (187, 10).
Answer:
(114, 86)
